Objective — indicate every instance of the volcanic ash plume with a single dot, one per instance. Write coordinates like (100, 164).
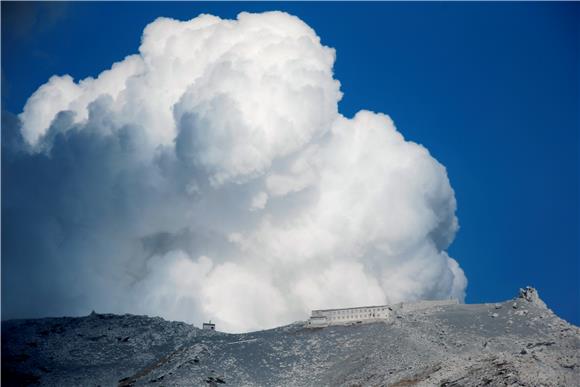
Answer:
(212, 176)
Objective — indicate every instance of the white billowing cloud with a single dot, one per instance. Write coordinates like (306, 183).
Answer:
(61, 93)
(264, 78)
(211, 176)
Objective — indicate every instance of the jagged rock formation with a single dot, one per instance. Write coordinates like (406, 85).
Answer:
(531, 295)
(519, 342)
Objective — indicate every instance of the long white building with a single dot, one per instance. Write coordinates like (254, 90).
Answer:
(364, 314)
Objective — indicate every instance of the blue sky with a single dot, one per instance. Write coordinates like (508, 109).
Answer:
(491, 89)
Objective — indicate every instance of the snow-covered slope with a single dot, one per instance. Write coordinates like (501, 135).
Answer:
(518, 342)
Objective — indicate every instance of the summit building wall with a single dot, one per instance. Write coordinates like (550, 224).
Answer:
(349, 316)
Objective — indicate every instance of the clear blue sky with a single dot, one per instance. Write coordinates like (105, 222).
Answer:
(491, 89)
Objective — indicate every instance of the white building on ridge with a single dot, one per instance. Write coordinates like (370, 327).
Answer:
(364, 314)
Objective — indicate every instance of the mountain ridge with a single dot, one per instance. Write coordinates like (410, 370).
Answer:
(515, 342)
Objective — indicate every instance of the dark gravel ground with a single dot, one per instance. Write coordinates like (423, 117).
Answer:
(517, 342)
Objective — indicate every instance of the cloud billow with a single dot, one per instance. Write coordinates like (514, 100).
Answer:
(212, 176)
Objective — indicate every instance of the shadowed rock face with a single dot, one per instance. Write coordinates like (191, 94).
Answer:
(517, 342)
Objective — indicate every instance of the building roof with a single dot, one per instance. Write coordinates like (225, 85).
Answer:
(356, 307)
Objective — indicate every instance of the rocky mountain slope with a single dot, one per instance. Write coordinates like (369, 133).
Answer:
(516, 343)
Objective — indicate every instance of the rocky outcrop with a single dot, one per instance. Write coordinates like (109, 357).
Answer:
(531, 295)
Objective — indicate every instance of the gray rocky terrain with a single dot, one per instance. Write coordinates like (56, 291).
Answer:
(514, 343)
